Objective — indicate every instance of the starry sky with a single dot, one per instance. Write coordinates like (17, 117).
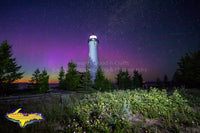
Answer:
(147, 35)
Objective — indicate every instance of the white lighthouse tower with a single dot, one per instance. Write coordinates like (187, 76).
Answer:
(93, 56)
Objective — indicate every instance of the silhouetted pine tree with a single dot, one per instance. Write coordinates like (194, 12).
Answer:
(188, 73)
(9, 70)
(123, 80)
(43, 81)
(61, 78)
(107, 85)
(72, 78)
(40, 81)
(86, 80)
(98, 83)
(101, 83)
(127, 80)
(119, 78)
(137, 79)
(35, 79)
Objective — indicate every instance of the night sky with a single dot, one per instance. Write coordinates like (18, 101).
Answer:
(147, 35)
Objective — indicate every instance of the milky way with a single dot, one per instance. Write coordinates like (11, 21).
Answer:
(150, 36)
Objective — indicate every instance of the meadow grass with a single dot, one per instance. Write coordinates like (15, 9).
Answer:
(117, 111)
(136, 111)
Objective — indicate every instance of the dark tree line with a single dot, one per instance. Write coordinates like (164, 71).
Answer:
(10, 72)
(188, 74)
(101, 83)
(163, 83)
(86, 79)
(73, 80)
(125, 81)
(40, 80)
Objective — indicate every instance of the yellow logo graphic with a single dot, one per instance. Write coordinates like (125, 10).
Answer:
(23, 118)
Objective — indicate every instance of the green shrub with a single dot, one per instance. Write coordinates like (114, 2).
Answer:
(114, 111)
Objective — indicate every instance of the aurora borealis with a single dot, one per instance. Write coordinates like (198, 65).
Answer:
(150, 36)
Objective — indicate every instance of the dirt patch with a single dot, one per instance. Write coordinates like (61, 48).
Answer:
(192, 129)
(152, 122)
(136, 118)
(139, 119)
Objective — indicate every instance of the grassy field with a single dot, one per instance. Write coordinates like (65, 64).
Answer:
(118, 111)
